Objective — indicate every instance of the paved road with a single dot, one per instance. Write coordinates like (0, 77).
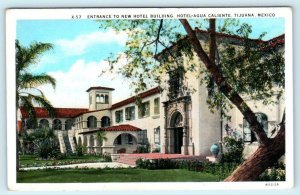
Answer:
(82, 165)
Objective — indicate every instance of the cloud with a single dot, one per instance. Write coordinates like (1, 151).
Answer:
(79, 44)
(71, 86)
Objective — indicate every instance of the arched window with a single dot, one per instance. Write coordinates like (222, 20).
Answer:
(102, 99)
(56, 124)
(97, 98)
(44, 123)
(31, 124)
(176, 120)
(249, 136)
(69, 124)
(106, 99)
(91, 122)
(105, 121)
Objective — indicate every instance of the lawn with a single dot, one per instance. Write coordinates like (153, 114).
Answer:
(33, 161)
(112, 175)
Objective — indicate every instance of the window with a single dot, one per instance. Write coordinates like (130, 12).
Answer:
(101, 98)
(106, 99)
(91, 122)
(249, 136)
(175, 82)
(156, 106)
(44, 123)
(97, 98)
(69, 124)
(142, 136)
(119, 116)
(128, 139)
(130, 113)
(118, 140)
(144, 109)
(56, 124)
(157, 135)
(105, 121)
(31, 124)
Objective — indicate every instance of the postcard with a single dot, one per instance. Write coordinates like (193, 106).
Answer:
(171, 98)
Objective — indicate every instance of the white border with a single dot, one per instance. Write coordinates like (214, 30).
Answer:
(16, 14)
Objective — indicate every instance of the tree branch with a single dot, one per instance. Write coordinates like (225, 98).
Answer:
(225, 87)
(212, 44)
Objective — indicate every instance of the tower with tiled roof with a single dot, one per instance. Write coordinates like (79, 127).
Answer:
(99, 97)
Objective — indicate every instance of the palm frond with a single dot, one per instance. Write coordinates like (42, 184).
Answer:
(25, 56)
(28, 80)
(43, 102)
(26, 103)
(25, 92)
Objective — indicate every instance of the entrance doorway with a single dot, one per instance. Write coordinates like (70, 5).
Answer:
(178, 135)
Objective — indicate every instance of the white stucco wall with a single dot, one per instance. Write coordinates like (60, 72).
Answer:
(146, 123)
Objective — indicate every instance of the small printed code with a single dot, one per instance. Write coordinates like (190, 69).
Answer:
(272, 184)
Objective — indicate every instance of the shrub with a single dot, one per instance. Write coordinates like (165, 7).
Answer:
(233, 151)
(142, 149)
(274, 173)
(106, 157)
(45, 143)
(80, 150)
(223, 170)
(156, 150)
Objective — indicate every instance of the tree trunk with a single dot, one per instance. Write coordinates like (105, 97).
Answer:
(261, 159)
(270, 150)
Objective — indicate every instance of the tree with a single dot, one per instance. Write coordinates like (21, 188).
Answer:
(101, 136)
(252, 69)
(28, 94)
(45, 142)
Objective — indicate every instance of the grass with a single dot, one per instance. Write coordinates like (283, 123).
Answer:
(112, 175)
(33, 161)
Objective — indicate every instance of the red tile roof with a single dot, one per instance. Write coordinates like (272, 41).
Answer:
(99, 87)
(132, 99)
(218, 34)
(124, 127)
(279, 40)
(59, 112)
(121, 128)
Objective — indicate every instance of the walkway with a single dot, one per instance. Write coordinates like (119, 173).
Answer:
(130, 159)
(83, 165)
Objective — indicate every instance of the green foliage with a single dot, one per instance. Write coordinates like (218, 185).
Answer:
(156, 150)
(274, 173)
(112, 175)
(28, 93)
(142, 149)
(106, 157)
(233, 150)
(155, 48)
(222, 170)
(101, 136)
(34, 161)
(80, 150)
(45, 143)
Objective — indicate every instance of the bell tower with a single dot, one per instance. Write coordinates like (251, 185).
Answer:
(99, 97)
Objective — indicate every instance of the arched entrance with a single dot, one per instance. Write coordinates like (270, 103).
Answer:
(176, 125)
(125, 143)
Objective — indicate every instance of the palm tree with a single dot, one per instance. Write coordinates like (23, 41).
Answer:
(27, 93)
(101, 136)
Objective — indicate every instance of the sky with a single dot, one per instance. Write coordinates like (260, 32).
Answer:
(80, 52)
